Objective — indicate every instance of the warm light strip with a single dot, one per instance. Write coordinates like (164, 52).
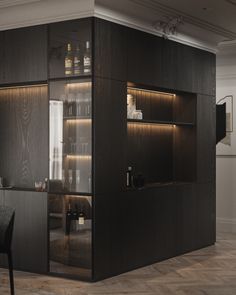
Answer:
(79, 157)
(150, 91)
(79, 84)
(78, 196)
(76, 120)
(152, 124)
(23, 86)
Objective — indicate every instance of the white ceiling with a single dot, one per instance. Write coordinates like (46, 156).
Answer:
(209, 21)
(206, 23)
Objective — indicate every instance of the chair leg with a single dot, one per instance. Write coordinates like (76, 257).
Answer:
(11, 273)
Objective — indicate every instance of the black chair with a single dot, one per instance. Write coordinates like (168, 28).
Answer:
(7, 216)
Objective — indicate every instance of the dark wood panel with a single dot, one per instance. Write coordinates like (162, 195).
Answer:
(75, 32)
(150, 151)
(206, 215)
(24, 135)
(144, 58)
(30, 237)
(188, 69)
(25, 55)
(110, 45)
(109, 134)
(184, 108)
(206, 137)
(184, 153)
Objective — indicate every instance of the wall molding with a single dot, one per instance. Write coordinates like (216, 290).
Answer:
(47, 20)
(8, 3)
(226, 224)
(136, 24)
(166, 10)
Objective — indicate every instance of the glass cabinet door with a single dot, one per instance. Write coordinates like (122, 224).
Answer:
(70, 232)
(70, 136)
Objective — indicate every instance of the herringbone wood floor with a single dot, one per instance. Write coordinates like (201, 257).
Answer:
(209, 271)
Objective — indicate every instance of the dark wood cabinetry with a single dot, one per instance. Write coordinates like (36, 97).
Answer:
(30, 238)
(173, 146)
(24, 55)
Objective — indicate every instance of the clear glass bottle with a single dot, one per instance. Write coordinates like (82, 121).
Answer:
(87, 59)
(77, 61)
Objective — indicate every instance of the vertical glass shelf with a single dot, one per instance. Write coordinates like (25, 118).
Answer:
(71, 136)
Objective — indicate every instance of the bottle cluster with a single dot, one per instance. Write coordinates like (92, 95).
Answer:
(78, 59)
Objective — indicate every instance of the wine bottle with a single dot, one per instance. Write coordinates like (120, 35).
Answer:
(68, 61)
(129, 177)
(87, 59)
(77, 61)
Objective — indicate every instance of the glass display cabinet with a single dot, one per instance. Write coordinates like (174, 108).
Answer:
(70, 148)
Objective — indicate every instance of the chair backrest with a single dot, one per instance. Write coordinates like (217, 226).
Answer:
(7, 216)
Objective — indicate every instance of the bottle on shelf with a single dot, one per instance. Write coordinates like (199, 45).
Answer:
(69, 61)
(77, 60)
(129, 177)
(87, 58)
(70, 179)
(89, 184)
(77, 178)
(81, 218)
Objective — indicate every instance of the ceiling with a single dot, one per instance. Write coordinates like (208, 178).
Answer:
(211, 21)
(203, 22)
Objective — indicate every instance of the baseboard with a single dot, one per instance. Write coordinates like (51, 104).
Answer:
(226, 225)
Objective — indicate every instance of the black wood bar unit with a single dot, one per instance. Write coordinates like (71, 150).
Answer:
(80, 102)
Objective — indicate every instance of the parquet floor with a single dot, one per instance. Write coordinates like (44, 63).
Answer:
(209, 271)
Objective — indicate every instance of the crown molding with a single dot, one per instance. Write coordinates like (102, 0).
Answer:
(8, 3)
(44, 12)
(167, 11)
(47, 20)
(134, 23)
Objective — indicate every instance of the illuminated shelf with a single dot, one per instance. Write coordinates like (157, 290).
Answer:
(79, 118)
(157, 122)
(80, 157)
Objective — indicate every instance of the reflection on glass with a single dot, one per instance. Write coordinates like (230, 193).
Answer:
(70, 222)
(70, 136)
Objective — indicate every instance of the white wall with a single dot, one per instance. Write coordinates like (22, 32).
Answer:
(226, 155)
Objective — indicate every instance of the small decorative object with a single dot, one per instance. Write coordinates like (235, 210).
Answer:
(138, 115)
(38, 186)
(138, 180)
(131, 106)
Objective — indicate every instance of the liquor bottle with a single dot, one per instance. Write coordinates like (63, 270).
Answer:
(87, 59)
(129, 177)
(68, 61)
(81, 218)
(77, 61)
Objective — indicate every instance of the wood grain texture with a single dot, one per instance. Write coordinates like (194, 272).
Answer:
(30, 238)
(150, 151)
(144, 58)
(24, 135)
(206, 137)
(25, 55)
(184, 153)
(110, 50)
